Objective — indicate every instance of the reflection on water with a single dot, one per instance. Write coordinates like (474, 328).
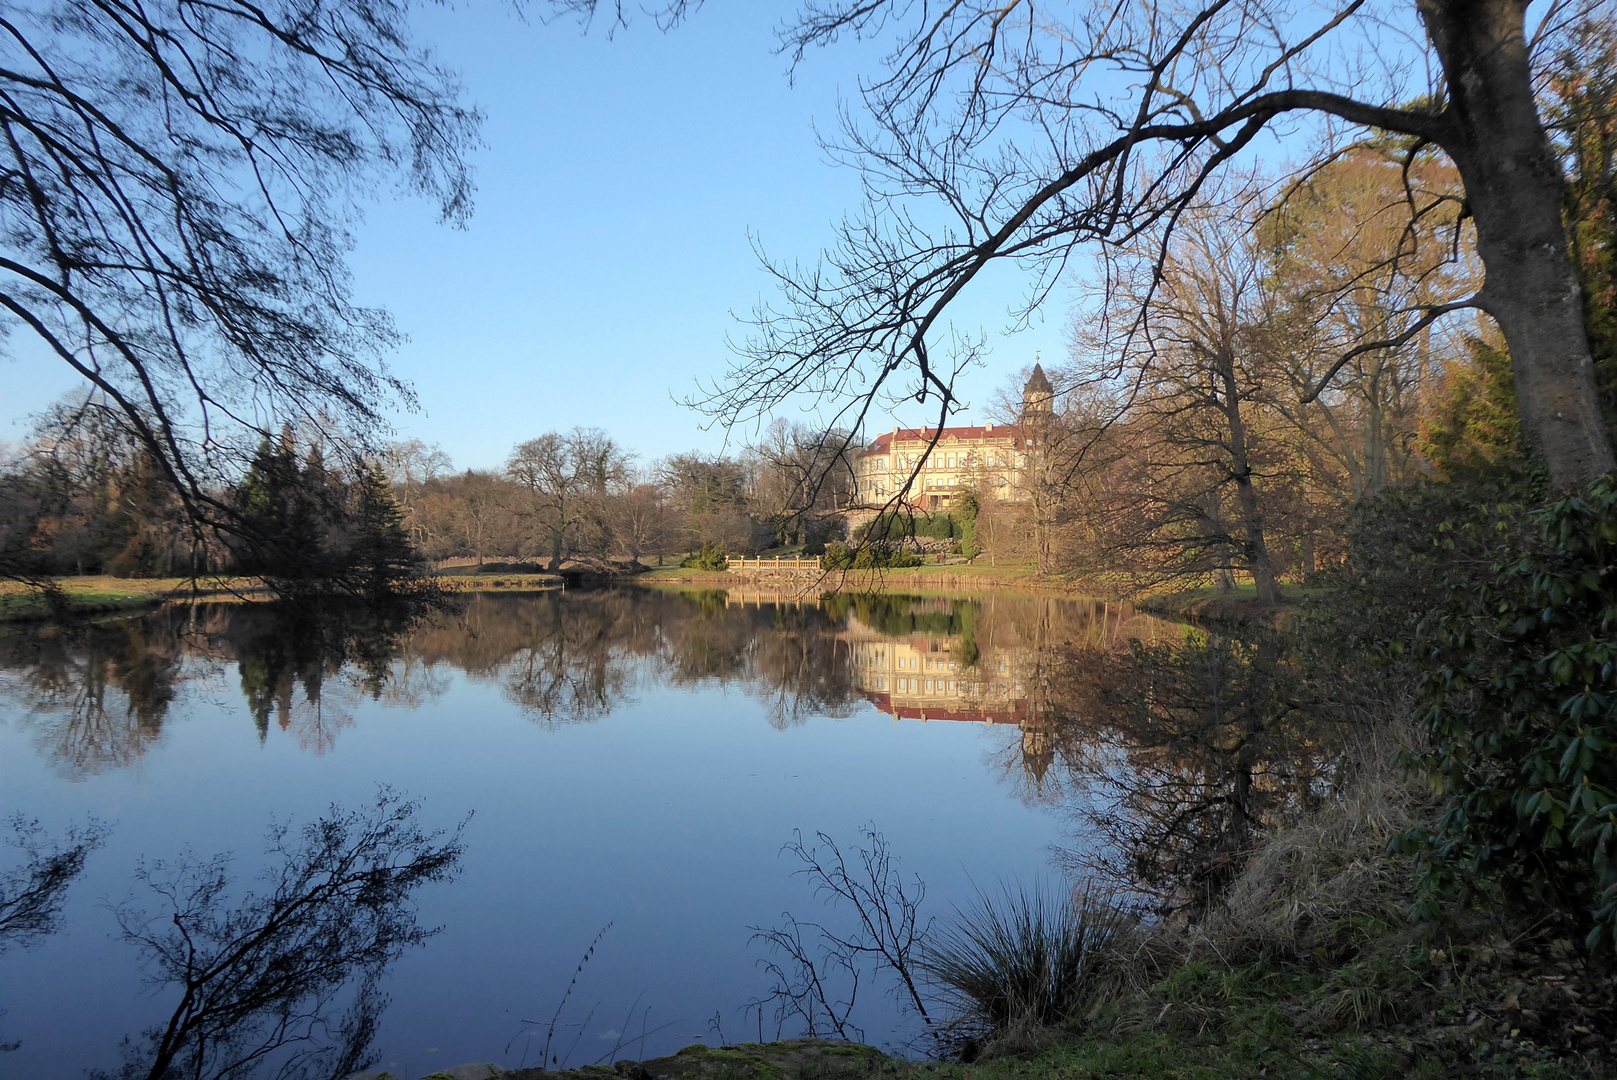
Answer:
(634, 757)
(987, 662)
(96, 696)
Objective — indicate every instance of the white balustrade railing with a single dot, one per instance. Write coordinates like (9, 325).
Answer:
(776, 563)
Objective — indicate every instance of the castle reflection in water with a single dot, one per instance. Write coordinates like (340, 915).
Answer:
(974, 660)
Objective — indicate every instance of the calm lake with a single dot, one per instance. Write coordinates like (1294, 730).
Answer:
(631, 759)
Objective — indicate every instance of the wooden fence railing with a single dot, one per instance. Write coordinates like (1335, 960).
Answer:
(777, 563)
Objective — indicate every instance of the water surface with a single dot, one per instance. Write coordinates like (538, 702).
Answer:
(629, 758)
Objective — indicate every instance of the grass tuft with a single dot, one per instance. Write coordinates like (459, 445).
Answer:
(1028, 960)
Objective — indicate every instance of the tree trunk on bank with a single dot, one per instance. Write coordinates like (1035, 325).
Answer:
(1256, 547)
(1513, 188)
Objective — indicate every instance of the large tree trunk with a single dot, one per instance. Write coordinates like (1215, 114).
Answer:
(1514, 189)
(555, 549)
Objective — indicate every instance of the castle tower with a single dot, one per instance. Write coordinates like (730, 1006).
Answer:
(1038, 396)
(1038, 753)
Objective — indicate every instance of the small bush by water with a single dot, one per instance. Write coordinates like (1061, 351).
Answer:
(711, 557)
(877, 555)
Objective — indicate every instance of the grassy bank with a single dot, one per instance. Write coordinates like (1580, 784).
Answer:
(1309, 964)
(107, 595)
(1237, 605)
(1211, 1021)
(101, 595)
(1327, 982)
(93, 595)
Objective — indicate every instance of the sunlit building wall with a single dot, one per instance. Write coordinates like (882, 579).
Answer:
(990, 459)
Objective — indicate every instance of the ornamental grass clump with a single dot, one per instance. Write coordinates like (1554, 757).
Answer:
(1028, 960)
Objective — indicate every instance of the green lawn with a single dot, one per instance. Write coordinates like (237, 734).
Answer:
(100, 593)
(1213, 603)
(14, 605)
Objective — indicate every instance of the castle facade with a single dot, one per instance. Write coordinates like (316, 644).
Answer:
(989, 459)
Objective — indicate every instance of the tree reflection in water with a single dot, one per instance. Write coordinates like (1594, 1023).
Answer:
(1184, 753)
(283, 978)
(1170, 752)
(1155, 735)
(34, 882)
(98, 694)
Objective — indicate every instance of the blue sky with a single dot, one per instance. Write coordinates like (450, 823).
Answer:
(609, 253)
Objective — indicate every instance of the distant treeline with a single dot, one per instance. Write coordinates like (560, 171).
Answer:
(582, 495)
(82, 496)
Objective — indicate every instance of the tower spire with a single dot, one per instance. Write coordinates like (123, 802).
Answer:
(1038, 395)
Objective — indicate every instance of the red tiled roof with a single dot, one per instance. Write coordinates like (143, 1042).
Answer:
(884, 442)
(884, 703)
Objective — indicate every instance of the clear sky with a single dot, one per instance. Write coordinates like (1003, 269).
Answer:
(609, 254)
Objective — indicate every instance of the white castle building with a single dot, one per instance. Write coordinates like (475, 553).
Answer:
(988, 458)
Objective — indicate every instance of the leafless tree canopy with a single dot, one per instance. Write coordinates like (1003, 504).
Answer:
(1024, 131)
(560, 477)
(178, 185)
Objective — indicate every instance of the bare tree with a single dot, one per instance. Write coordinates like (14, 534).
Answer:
(815, 982)
(179, 182)
(480, 513)
(709, 494)
(1003, 130)
(559, 474)
(1352, 267)
(1198, 379)
(639, 521)
(804, 473)
(410, 466)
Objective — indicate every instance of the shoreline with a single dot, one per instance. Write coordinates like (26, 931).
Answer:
(93, 595)
(105, 595)
(902, 580)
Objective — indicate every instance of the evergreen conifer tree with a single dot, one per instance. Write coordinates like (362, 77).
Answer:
(380, 557)
(279, 504)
